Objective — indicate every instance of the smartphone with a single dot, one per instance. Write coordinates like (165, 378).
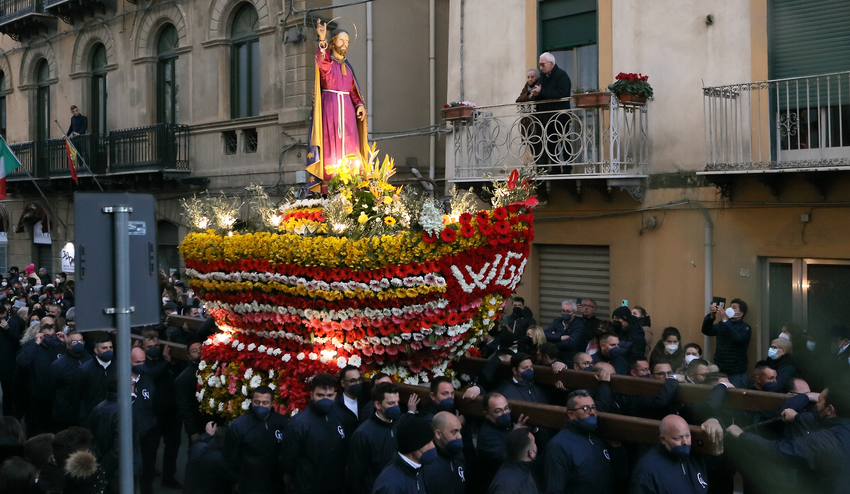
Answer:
(578, 301)
(720, 301)
(625, 303)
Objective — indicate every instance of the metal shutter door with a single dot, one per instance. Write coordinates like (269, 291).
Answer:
(808, 37)
(572, 271)
(567, 23)
(44, 260)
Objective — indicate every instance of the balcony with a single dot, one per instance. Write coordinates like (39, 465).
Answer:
(76, 10)
(153, 149)
(772, 128)
(605, 145)
(21, 19)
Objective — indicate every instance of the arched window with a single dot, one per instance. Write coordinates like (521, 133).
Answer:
(3, 104)
(42, 78)
(245, 66)
(98, 110)
(167, 88)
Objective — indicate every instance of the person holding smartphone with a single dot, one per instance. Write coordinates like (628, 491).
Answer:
(733, 339)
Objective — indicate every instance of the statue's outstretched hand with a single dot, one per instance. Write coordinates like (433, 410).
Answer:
(361, 112)
(321, 29)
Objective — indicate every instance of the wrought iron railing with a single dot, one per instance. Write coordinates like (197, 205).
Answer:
(25, 152)
(156, 147)
(91, 155)
(13, 9)
(609, 141)
(787, 123)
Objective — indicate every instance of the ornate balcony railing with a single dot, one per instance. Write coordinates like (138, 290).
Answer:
(20, 19)
(797, 123)
(13, 9)
(154, 148)
(25, 152)
(91, 156)
(577, 143)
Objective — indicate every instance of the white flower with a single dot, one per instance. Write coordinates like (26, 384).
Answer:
(199, 395)
(301, 356)
(341, 362)
(270, 351)
(223, 379)
(271, 374)
(313, 356)
(202, 365)
(354, 360)
(256, 382)
(246, 404)
(221, 407)
(294, 411)
(213, 381)
(240, 347)
(212, 403)
(249, 373)
(245, 390)
(286, 357)
(323, 360)
(261, 348)
(235, 343)
(251, 347)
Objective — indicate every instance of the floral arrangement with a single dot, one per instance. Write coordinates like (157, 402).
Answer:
(461, 103)
(632, 83)
(313, 298)
(583, 90)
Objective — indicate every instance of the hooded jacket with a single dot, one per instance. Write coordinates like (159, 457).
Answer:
(399, 477)
(372, 447)
(659, 472)
(579, 462)
(514, 477)
(252, 452)
(314, 444)
(733, 339)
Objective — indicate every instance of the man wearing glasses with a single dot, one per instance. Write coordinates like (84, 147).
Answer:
(351, 402)
(493, 434)
(587, 309)
(36, 356)
(577, 460)
(567, 332)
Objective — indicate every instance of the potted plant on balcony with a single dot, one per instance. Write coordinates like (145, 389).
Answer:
(591, 98)
(632, 89)
(458, 111)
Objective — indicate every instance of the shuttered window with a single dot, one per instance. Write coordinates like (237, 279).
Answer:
(570, 272)
(808, 37)
(567, 24)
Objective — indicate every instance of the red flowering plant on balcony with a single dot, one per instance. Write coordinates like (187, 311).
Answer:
(635, 84)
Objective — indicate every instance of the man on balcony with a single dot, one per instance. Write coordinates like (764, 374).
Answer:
(79, 123)
(553, 83)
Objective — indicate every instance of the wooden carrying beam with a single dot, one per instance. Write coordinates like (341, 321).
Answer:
(737, 399)
(192, 322)
(611, 426)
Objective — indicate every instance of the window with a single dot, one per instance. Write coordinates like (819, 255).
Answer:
(167, 87)
(250, 140)
(568, 29)
(98, 110)
(42, 77)
(245, 64)
(230, 141)
(3, 105)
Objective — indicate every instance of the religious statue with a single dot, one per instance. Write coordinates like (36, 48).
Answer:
(338, 121)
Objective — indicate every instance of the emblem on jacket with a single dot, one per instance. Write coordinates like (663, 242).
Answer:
(607, 456)
(146, 394)
(702, 482)
(341, 432)
(460, 474)
(278, 435)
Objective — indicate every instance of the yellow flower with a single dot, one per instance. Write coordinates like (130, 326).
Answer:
(389, 220)
(388, 200)
(362, 218)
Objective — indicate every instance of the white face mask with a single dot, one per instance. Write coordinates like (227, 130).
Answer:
(33, 323)
(58, 281)
(810, 345)
(784, 336)
(690, 358)
(671, 349)
(730, 312)
(4, 283)
(164, 300)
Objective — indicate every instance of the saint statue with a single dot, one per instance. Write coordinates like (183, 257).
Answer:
(338, 121)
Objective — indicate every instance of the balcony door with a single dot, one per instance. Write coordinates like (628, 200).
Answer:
(167, 88)
(42, 108)
(809, 292)
(98, 111)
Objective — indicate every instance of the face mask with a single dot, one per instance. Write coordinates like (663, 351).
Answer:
(690, 358)
(106, 356)
(153, 353)
(393, 412)
(447, 405)
(454, 447)
(323, 406)
(730, 313)
(588, 424)
(681, 452)
(4, 283)
(671, 349)
(771, 387)
(428, 457)
(261, 412)
(78, 348)
(566, 317)
(196, 361)
(57, 280)
(772, 353)
(164, 300)
(503, 421)
(33, 323)
(784, 336)
(618, 326)
(646, 376)
(24, 284)
(139, 369)
(810, 345)
(355, 389)
(588, 369)
(517, 311)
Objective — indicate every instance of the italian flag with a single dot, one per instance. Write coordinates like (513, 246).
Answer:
(8, 163)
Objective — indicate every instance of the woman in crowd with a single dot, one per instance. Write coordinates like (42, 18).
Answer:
(669, 348)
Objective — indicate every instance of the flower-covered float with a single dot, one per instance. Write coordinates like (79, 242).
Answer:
(375, 276)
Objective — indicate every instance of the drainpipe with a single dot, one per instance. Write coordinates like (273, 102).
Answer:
(432, 91)
(709, 237)
(369, 59)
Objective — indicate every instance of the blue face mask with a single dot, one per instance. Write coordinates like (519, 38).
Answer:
(646, 376)
(139, 369)
(528, 375)
(106, 356)
(447, 405)
(810, 345)
(681, 452)
(771, 387)
(455, 446)
(588, 368)
(773, 353)
(261, 412)
(428, 457)
(355, 389)
(588, 424)
(393, 412)
(503, 421)
(323, 406)
(78, 348)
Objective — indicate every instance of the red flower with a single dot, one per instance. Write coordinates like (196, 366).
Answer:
(502, 227)
(500, 213)
(485, 229)
(467, 230)
(482, 217)
(428, 238)
(453, 319)
(465, 218)
(448, 235)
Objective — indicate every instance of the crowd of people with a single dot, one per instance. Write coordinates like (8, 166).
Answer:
(59, 430)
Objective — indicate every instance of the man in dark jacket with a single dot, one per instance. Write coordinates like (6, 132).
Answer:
(493, 434)
(588, 317)
(373, 444)
(79, 126)
(252, 446)
(11, 329)
(514, 476)
(553, 84)
(91, 378)
(65, 398)
(567, 332)
(577, 460)
(442, 399)
(826, 451)
(352, 401)
(632, 335)
(403, 475)
(447, 474)
(521, 385)
(314, 443)
(669, 467)
(144, 415)
(35, 357)
(206, 472)
(733, 339)
(520, 318)
(185, 389)
(609, 353)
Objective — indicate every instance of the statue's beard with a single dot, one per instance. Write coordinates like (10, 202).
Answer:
(341, 51)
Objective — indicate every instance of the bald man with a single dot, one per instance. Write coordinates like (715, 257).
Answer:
(446, 474)
(669, 467)
(144, 417)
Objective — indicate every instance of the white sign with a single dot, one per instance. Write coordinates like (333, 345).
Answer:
(4, 239)
(68, 258)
